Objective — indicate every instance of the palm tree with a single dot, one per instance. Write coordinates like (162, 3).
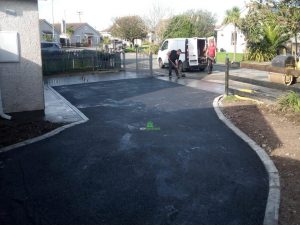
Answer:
(274, 36)
(233, 16)
(70, 31)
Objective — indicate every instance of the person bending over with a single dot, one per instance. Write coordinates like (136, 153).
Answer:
(173, 57)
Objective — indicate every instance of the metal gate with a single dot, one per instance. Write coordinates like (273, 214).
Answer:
(140, 62)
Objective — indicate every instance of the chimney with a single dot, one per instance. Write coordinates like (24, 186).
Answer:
(63, 27)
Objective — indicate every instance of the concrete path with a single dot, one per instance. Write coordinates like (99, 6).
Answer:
(240, 80)
(152, 153)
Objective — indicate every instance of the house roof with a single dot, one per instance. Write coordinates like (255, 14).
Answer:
(107, 29)
(223, 26)
(50, 25)
(74, 26)
(219, 27)
(46, 32)
(57, 26)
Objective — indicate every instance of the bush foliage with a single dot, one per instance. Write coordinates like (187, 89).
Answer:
(290, 101)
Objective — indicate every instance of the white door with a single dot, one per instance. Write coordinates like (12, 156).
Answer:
(181, 46)
(193, 52)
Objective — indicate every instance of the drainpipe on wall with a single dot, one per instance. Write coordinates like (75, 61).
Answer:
(2, 114)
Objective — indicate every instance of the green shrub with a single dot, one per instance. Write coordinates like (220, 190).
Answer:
(150, 48)
(129, 50)
(145, 49)
(290, 101)
(230, 98)
(154, 48)
(258, 55)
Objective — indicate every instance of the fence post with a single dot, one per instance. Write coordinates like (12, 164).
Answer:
(93, 62)
(124, 64)
(151, 63)
(226, 75)
(136, 58)
(96, 60)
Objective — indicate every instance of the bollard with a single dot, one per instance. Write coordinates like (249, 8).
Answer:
(227, 76)
(151, 63)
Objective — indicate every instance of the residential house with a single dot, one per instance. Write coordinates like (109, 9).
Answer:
(116, 42)
(138, 42)
(152, 37)
(106, 33)
(291, 45)
(21, 78)
(225, 39)
(46, 31)
(81, 34)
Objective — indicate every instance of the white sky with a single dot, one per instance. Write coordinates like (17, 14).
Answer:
(99, 13)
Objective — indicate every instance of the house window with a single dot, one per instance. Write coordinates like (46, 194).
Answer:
(47, 36)
(233, 38)
(78, 39)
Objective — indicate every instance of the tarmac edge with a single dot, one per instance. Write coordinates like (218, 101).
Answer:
(273, 201)
(51, 133)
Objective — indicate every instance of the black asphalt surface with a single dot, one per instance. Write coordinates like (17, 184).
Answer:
(186, 169)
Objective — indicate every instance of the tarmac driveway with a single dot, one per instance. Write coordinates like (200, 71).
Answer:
(152, 153)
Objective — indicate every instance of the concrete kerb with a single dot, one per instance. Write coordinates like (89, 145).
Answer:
(273, 201)
(51, 133)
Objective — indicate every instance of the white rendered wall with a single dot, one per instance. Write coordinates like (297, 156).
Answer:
(21, 83)
(224, 39)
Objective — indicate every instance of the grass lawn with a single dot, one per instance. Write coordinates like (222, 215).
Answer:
(221, 56)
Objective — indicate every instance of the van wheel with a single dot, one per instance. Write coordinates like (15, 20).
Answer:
(201, 69)
(160, 63)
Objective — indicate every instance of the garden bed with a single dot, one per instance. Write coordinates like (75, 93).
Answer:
(15, 131)
(279, 134)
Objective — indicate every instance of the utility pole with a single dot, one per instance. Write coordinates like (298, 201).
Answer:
(52, 22)
(79, 15)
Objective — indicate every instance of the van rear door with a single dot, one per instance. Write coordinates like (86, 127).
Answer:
(180, 44)
(192, 52)
(202, 60)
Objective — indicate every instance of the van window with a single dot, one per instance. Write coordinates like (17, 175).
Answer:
(164, 46)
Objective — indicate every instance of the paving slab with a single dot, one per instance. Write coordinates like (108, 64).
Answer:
(57, 109)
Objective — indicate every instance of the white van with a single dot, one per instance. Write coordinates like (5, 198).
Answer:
(193, 55)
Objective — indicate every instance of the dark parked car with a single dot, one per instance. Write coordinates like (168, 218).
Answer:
(50, 46)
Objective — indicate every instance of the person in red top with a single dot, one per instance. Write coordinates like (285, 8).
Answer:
(211, 55)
